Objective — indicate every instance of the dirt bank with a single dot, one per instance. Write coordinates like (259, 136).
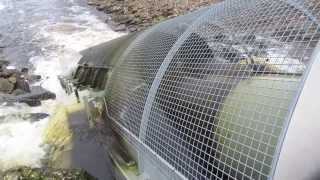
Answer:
(136, 15)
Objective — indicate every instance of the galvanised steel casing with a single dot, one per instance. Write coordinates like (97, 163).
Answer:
(226, 92)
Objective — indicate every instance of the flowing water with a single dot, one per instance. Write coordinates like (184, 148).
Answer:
(45, 36)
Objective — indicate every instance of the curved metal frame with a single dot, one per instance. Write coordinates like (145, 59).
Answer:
(292, 138)
(299, 157)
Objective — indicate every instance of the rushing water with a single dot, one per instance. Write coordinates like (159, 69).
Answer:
(46, 36)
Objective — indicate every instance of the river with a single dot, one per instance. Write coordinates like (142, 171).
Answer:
(45, 36)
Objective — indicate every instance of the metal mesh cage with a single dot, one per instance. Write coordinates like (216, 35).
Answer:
(209, 95)
(132, 78)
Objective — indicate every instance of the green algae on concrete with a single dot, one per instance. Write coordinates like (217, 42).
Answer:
(58, 135)
(58, 132)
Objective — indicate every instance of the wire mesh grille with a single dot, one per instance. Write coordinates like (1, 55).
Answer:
(138, 66)
(221, 105)
(225, 98)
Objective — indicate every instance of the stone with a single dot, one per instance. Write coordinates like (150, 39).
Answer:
(123, 19)
(101, 7)
(121, 27)
(93, 3)
(32, 98)
(115, 8)
(23, 85)
(34, 78)
(25, 70)
(4, 63)
(38, 92)
(6, 73)
(12, 79)
(31, 102)
(133, 29)
(17, 92)
(6, 86)
(34, 117)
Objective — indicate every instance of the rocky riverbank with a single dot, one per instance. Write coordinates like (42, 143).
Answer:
(15, 86)
(136, 15)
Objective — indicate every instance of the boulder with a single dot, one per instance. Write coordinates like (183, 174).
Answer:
(6, 86)
(6, 73)
(101, 7)
(17, 92)
(93, 3)
(121, 27)
(12, 79)
(3, 64)
(33, 78)
(31, 117)
(33, 98)
(23, 85)
(36, 95)
(31, 102)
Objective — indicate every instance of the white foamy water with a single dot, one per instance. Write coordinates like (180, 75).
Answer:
(21, 141)
(71, 38)
(1, 6)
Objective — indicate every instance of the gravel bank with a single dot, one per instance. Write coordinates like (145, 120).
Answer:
(136, 15)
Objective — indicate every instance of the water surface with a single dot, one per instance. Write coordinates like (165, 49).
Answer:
(46, 36)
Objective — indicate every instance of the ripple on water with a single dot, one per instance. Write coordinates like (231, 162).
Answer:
(65, 28)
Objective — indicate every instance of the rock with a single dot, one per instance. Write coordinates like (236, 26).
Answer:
(6, 73)
(123, 19)
(115, 8)
(25, 70)
(133, 29)
(35, 116)
(31, 102)
(3, 64)
(33, 98)
(12, 79)
(46, 173)
(23, 85)
(6, 86)
(31, 117)
(93, 3)
(17, 92)
(101, 7)
(37, 93)
(121, 27)
(34, 78)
